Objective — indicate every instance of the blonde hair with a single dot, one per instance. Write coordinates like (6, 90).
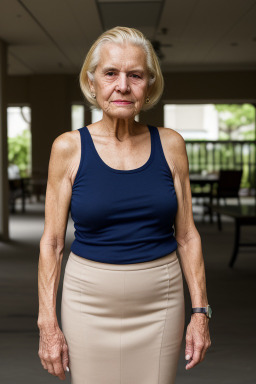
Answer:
(121, 35)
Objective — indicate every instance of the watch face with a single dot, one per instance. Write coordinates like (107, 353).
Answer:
(209, 311)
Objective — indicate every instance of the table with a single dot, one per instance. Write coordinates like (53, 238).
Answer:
(18, 188)
(211, 179)
(244, 214)
(198, 178)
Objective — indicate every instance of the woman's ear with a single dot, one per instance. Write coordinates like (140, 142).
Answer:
(90, 81)
(151, 82)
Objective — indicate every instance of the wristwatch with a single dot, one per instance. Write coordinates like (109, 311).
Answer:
(206, 310)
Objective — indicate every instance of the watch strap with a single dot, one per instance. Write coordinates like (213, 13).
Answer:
(207, 311)
(199, 310)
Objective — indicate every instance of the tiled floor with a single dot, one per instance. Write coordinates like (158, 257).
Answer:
(231, 292)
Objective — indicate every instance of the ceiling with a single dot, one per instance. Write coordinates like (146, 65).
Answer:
(53, 36)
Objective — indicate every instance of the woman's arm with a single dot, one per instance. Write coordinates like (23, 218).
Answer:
(53, 350)
(189, 248)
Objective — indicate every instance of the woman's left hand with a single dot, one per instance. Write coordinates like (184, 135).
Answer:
(197, 339)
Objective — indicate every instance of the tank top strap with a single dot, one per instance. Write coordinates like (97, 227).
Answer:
(82, 136)
(85, 154)
(159, 156)
(87, 148)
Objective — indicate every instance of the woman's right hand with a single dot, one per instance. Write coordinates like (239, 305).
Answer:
(53, 351)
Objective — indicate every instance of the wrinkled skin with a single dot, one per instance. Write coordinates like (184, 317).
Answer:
(197, 340)
(53, 352)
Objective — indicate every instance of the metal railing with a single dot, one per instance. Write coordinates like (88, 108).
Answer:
(211, 156)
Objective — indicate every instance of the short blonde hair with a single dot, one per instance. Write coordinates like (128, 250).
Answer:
(122, 35)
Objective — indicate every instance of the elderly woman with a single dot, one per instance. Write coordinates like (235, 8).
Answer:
(122, 310)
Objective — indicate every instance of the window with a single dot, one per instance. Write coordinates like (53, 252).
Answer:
(19, 141)
(211, 121)
(77, 116)
(96, 115)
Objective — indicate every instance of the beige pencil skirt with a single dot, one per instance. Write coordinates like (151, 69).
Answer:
(123, 323)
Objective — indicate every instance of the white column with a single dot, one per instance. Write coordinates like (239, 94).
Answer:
(4, 187)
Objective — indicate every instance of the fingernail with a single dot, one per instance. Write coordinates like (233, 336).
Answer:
(187, 357)
(67, 369)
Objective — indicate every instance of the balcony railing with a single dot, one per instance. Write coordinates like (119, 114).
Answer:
(211, 156)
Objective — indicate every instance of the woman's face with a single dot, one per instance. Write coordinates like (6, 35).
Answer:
(121, 80)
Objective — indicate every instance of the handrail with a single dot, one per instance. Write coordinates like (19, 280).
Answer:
(213, 155)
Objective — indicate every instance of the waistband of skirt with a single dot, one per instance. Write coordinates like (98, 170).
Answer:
(169, 258)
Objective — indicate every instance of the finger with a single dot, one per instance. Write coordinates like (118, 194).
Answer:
(189, 348)
(203, 353)
(58, 369)
(65, 358)
(195, 358)
(50, 368)
(44, 364)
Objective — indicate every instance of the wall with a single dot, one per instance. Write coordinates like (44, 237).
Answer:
(233, 85)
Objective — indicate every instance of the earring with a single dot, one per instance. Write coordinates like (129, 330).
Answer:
(147, 100)
(93, 96)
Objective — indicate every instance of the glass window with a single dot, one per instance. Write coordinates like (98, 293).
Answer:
(211, 121)
(77, 116)
(96, 115)
(19, 141)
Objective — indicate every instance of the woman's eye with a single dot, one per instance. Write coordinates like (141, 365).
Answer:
(136, 76)
(110, 73)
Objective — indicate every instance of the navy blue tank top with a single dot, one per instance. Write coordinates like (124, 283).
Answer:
(123, 216)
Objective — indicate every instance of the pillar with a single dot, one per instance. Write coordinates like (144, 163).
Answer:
(4, 186)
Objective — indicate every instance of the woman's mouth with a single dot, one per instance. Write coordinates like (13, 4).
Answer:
(122, 102)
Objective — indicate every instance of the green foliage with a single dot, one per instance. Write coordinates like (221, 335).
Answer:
(19, 151)
(234, 116)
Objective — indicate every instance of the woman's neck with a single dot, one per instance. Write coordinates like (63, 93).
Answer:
(119, 128)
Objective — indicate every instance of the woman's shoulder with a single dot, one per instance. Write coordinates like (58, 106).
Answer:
(174, 148)
(171, 138)
(66, 143)
(65, 152)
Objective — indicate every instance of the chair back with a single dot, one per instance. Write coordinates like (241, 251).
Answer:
(229, 182)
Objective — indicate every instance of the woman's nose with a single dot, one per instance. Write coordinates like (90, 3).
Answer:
(123, 83)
